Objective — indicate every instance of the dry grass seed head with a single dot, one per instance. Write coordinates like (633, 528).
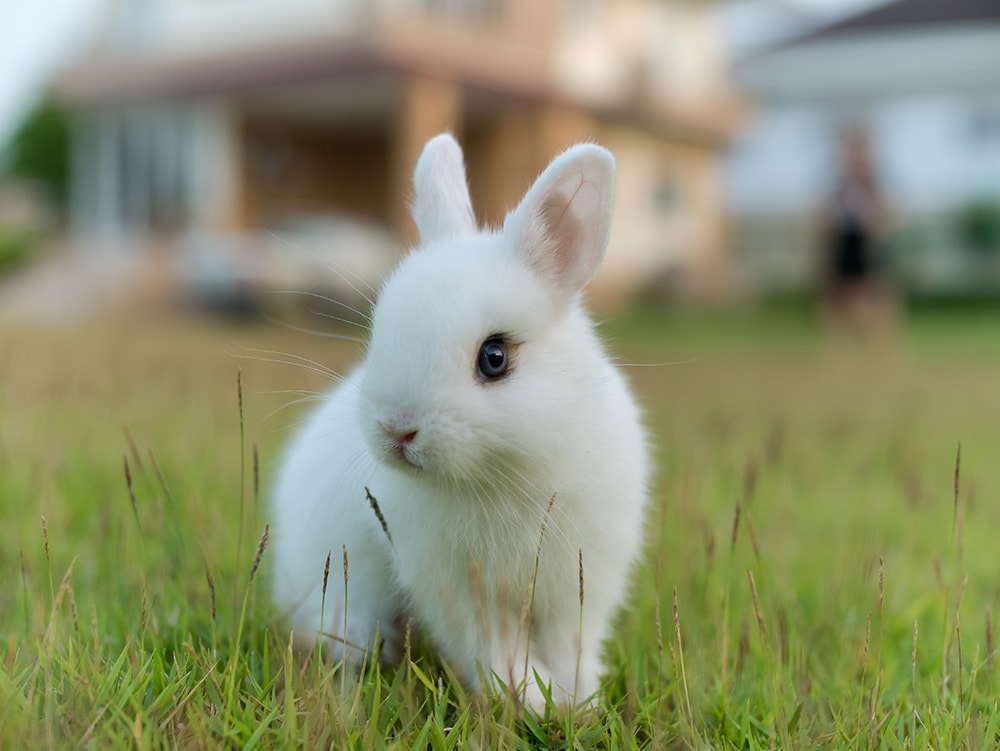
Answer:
(744, 646)
(133, 448)
(756, 604)
(94, 630)
(159, 477)
(131, 490)
(57, 602)
(957, 478)
(45, 533)
(239, 391)
(256, 474)
(881, 586)
(72, 609)
(753, 538)
(373, 502)
(260, 551)
(709, 537)
(866, 645)
(211, 591)
(326, 571)
(736, 524)
(210, 580)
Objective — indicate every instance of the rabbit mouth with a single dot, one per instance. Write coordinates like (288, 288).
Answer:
(405, 454)
(398, 445)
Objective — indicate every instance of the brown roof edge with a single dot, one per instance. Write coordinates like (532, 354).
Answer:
(496, 72)
(124, 78)
(898, 15)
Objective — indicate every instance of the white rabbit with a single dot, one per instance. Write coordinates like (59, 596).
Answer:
(502, 446)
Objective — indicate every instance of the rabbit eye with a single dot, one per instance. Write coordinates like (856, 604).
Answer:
(492, 361)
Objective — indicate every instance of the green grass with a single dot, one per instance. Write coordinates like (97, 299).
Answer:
(16, 246)
(818, 574)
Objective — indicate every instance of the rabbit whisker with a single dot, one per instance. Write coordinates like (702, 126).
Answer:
(305, 398)
(287, 358)
(333, 301)
(314, 332)
(667, 364)
(343, 273)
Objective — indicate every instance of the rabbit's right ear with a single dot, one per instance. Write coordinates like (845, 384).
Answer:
(442, 208)
(561, 227)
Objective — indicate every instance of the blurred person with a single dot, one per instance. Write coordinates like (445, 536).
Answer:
(855, 224)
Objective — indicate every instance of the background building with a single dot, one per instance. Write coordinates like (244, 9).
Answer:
(217, 121)
(922, 78)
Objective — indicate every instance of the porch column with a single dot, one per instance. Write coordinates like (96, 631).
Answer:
(84, 145)
(711, 266)
(136, 177)
(214, 171)
(427, 107)
(107, 185)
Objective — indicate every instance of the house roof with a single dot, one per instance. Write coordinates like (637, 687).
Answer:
(902, 14)
(130, 75)
(369, 63)
(905, 45)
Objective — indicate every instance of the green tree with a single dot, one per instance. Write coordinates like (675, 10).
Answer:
(39, 151)
(978, 225)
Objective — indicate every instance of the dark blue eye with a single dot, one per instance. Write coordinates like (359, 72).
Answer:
(492, 361)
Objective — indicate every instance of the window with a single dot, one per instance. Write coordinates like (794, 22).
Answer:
(464, 11)
(983, 124)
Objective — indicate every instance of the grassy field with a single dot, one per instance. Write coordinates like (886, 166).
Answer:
(822, 567)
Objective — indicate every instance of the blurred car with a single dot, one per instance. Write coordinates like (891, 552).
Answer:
(330, 264)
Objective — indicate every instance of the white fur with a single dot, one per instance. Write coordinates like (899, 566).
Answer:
(467, 506)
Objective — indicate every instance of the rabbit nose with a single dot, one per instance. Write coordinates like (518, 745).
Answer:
(401, 437)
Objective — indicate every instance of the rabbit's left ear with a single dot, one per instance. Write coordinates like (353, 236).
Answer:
(442, 208)
(561, 227)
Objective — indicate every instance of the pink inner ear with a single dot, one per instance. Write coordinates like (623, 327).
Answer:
(567, 236)
(562, 231)
(561, 227)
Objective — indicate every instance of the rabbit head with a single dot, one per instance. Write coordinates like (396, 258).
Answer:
(481, 357)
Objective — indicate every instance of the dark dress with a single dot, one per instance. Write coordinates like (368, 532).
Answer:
(852, 251)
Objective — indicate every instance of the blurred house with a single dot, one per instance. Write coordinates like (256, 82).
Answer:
(23, 207)
(218, 120)
(922, 77)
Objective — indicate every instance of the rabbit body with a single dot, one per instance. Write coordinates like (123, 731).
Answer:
(505, 451)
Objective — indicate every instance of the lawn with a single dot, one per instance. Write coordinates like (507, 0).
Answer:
(822, 568)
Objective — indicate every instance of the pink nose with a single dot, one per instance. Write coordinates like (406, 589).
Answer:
(401, 437)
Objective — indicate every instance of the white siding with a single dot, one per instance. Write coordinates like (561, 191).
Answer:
(942, 150)
(187, 25)
(933, 153)
(609, 52)
(781, 164)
